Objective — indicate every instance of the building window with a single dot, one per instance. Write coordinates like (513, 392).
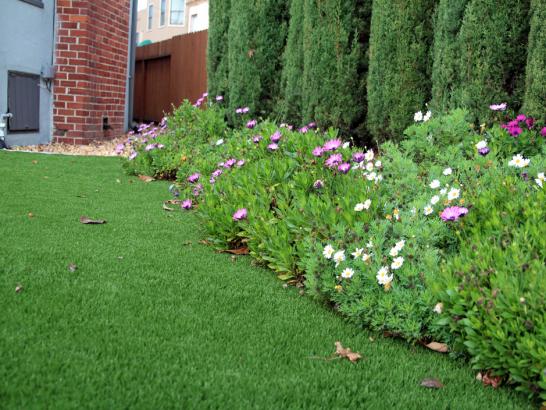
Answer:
(150, 16)
(24, 102)
(163, 13)
(177, 12)
(193, 22)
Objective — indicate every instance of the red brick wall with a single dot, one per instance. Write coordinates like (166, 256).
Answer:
(91, 69)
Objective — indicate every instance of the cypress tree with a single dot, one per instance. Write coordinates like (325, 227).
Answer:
(535, 87)
(256, 37)
(335, 40)
(217, 57)
(290, 106)
(446, 52)
(493, 41)
(399, 81)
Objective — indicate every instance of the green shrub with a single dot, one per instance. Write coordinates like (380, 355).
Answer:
(535, 86)
(400, 65)
(493, 290)
(217, 58)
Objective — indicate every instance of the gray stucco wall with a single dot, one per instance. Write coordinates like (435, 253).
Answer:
(26, 45)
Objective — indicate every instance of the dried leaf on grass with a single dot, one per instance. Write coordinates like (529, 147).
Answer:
(167, 208)
(345, 352)
(432, 383)
(205, 242)
(438, 347)
(489, 380)
(88, 221)
(145, 178)
(30, 215)
(18, 288)
(72, 267)
(239, 251)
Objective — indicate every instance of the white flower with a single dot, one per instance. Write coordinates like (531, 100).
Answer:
(220, 141)
(394, 252)
(413, 211)
(369, 166)
(519, 162)
(397, 263)
(378, 164)
(427, 116)
(371, 176)
(369, 245)
(346, 145)
(378, 178)
(439, 308)
(383, 276)
(368, 156)
(359, 207)
(400, 244)
(428, 210)
(540, 179)
(434, 200)
(367, 204)
(447, 171)
(481, 144)
(347, 273)
(443, 191)
(328, 251)
(339, 257)
(435, 184)
(453, 194)
(418, 116)
(366, 257)
(357, 253)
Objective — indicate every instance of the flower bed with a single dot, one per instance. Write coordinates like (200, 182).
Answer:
(437, 238)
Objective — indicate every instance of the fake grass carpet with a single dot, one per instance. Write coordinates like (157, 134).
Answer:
(151, 318)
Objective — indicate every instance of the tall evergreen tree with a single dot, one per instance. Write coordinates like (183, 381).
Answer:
(493, 41)
(256, 37)
(217, 57)
(447, 53)
(399, 81)
(290, 106)
(335, 40)
(535, 87)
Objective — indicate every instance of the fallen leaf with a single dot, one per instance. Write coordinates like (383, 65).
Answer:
(30, 215)
(87, 221)
(239, 251)
(251, 52)
(371, 339)
(72, 267)
(233, 258)
(145, 178)
(118, 181)
(173, 202)
(34, 162)
(205, 242)
(187, 243)
(167, 208)
(432, 383)
(438, 347)
(120, 257)
(18, 288)
(490, 380)
(302, 292)
(347, 353)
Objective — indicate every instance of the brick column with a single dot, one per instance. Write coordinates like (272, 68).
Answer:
(91, 69)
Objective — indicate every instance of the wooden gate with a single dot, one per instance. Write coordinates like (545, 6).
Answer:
(169, 72)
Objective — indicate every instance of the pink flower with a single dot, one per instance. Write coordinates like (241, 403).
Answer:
(358, 157)
(276, 137)
(133, 155)
(219, 98)
(498, 107)
(521, 117)
(217, 173)
(312, 125)
(272, 147)
(229, 163)
(453, 213)
(240, 214)
(344, 168)
(186, 204)
(333, 160)
(304, 129)
(193, 178)
(543, 132)
(317, 152)
(240, 163)
(318, 184)
(257, 139)
(251, 124)
(332, 145)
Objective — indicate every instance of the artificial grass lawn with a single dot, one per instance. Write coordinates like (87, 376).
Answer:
(153, 319)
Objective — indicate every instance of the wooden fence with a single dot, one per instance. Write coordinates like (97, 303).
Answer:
(169, 72)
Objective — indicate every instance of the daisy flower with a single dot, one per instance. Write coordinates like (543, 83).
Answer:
(369, 155)
(394, 252)
(400, 244)
(347, 273)
(369, 166)
(453, 194)
(540, 179)
(435, 184)
(357, 253)
(428, 210)
(397, 263)
(418, 116)
(447, 171)
(439, 308)
(339, 257)
(328, 251)
(518, 161)
(383, 276)
(481, 145)
(434, 200)
(366, 257)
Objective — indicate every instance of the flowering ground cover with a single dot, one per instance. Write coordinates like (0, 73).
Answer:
(378, 234)
(137, 313)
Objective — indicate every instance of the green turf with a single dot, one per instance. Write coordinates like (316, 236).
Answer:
(153, 319)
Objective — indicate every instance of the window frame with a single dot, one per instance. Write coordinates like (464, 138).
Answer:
(150, 18)
(183, 14)
(162, 13)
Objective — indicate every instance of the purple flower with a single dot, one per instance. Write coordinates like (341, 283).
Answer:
(317, 152)
(543, 132)
(304, 129)
(240, 163)
(193, 178)
(318, 184)
(521, 117)
(483, 151)
(312, 125)
(150, 147)
(272, 147)
(133, 155)
(198, 103)
(197, 190)
(358, 157)
(186, 204)
(244, 110)
(219, 98)
(239, 111)
(230, 162)
(251, 124)
(498, 107)
(205, 95)
(119, 148)
(240, 214)
(217, 173)
(257, 139)
(515, 131)
(344, 168)
(212, 180)
(160, 146)
(276, 137)
(334, 160)
(453, 213)
(530, 122)
(332, 145)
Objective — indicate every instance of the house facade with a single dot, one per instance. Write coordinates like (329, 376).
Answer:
(65, 70)
(164, 19)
